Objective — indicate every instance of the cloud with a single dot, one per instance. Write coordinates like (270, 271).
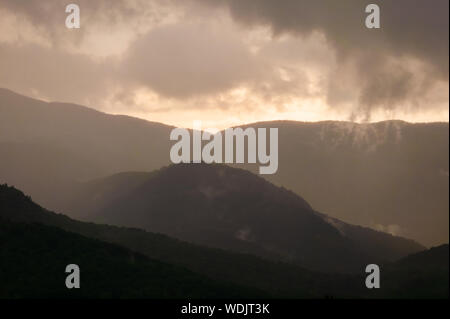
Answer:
(183, 60)
(416, 29)
(54, 74)
(102, 22)
(255, 59)
(413, 27)
(394, 230)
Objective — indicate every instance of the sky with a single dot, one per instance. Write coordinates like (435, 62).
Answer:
(230, 62)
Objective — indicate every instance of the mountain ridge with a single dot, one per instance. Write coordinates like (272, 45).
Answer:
(390, 176)
(226, 207)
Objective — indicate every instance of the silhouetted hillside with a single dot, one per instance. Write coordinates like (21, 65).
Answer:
(277, 279)
(44, 250)
(421, 275)
(229, 208)
(34, 258)
(376, 242)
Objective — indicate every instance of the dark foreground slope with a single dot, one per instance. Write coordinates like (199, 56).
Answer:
(34, 258)
(27, 249)
(421, 275)
(224, 207)
(276, 279)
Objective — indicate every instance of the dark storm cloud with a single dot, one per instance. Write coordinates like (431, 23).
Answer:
(415, 28)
